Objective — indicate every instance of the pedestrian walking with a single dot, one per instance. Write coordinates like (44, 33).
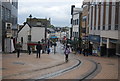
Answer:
(84, 51)
(80, 50)
(29, 49)
(39, 48)
(66, 52)
(48, 50)
(18, 48)
(87, 51)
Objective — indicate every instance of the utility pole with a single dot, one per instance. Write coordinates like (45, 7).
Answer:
(30, 28)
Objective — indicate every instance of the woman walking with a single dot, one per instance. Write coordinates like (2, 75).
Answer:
(66, 52)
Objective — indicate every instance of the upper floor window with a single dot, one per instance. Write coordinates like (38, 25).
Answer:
(116, 27)
(109, 27)
(98, 27)
(103, 27)
(77, 21)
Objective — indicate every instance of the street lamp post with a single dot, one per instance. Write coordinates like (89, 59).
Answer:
(30, 28)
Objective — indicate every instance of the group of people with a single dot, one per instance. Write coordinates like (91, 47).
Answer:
(84, 51)
(39, 48)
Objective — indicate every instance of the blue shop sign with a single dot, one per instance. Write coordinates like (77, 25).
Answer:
(94, 38)
(113, 40)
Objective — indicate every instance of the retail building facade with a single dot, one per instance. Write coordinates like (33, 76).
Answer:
(104, 26)
(8, 24)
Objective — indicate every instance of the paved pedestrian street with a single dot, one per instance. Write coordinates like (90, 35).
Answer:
(53, 66)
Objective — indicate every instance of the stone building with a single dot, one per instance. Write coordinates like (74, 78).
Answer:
(104, 23)
(8, 24)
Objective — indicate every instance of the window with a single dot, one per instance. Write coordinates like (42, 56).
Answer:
(83, 30)
(110, 15)
(21, 39)
(116, 27)
(109, 27)
(103, 27)
(95, 17)
(91, 17)
(104, 14)
(29, 37)
(99, 16)
(94, 28)
(71, 21)
(91, 28)
(117, 16)
(3, 13)
(77, 21)
(98, 27)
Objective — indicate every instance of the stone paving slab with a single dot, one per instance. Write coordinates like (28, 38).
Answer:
(12, 64)
(27, 62)
(78, 72)
(109, 66)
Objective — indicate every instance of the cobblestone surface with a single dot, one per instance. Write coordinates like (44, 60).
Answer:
(11, 65)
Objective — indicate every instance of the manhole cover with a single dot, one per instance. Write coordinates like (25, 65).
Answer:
(18, 63)
(110, 64)
(2, 68)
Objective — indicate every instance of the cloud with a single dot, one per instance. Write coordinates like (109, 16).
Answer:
(57, 10)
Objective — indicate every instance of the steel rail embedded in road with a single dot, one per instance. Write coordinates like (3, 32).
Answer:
(92, 72)
(48, 76)
(26, 72)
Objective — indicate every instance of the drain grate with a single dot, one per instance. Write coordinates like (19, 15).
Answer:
(2, 68)
(110, 64)
(18, 63)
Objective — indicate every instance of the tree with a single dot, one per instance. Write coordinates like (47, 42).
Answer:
(51, 26)
(64, 29)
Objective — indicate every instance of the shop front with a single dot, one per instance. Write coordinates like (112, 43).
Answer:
(108, 46)
(95, 44)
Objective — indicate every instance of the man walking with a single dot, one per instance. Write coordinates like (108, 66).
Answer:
(29, 49)
(39, 48)
(18, 48)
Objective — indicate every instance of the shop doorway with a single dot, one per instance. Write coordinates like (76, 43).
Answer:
(103, 50)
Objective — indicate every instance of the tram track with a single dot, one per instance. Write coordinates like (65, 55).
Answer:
(26, 72)
(92, 72)
(86, 75)
(59, 72)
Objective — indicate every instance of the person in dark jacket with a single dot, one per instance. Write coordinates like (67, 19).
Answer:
(66, 52)
(29, 49)
(39, 48)
(18, 48)
(48, 50)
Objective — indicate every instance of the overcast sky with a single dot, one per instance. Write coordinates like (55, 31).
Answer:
(58, 10)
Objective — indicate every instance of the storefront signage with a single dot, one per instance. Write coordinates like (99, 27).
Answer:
(94, 38)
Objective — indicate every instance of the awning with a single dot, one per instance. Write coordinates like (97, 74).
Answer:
(53, 37)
